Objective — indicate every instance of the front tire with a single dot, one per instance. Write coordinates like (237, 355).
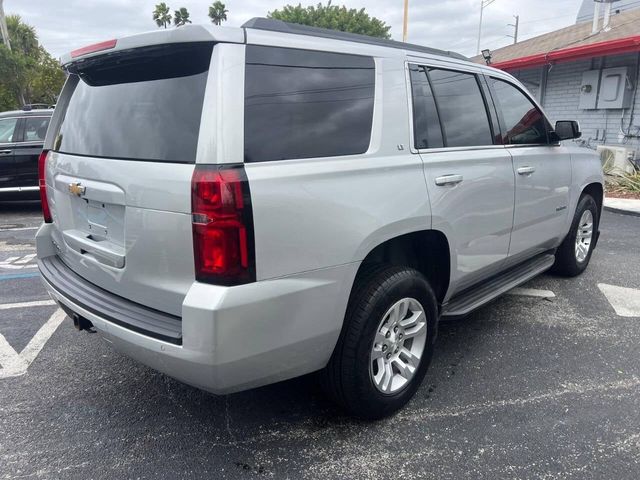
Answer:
(386, 343)
(574, 253)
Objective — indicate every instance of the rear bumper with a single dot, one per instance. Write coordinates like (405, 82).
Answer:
(232, 338)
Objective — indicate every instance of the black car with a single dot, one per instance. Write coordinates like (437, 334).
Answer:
(22, 135)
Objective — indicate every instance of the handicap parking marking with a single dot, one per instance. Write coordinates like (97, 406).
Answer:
(19, 262)
(25, 245)
(14, 364)
(625, 301)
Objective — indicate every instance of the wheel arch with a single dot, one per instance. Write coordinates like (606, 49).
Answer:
(596, 190)
(428, 251)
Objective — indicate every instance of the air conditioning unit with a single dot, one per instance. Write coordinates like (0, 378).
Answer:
(617, 160)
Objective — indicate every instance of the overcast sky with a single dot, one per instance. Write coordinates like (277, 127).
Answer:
(63, 25)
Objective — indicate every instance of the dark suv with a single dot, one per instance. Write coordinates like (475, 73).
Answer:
(22, 135)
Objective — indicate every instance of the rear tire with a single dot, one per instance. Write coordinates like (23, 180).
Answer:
(391, 320)
(574, 253)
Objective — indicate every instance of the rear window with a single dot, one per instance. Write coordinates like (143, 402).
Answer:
(142, 104)
(35, 129)
(303, 104)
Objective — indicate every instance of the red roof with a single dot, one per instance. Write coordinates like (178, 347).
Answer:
(611, 47)
(571, 43)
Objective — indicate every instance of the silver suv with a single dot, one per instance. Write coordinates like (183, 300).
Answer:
(239, 206)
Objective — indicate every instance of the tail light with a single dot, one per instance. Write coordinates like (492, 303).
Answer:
(42, 166)
(223, 242)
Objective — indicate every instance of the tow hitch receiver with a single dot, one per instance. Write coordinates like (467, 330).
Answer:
(79, 323)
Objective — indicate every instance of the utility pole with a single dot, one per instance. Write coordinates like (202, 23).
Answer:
(3, 27)
(405, 20)
(515, 27)
(483, 4)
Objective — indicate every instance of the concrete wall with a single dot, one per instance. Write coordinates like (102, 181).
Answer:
(562, 93)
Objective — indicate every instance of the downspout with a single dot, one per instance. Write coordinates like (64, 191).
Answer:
(607, 18)
(596, 17)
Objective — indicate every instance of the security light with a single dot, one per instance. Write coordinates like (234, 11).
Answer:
(486, 54)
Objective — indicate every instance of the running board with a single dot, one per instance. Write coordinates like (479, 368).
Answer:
(468, 301)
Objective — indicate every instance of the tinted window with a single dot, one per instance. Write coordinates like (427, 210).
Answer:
(143, 104)
(461, 107)
(301, 104)
(426, 126)
(523, 122)
(7, 129)
(35, 129)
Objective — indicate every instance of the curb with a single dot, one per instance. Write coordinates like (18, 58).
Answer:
(631, 213)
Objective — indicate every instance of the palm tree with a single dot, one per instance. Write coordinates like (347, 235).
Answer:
(23, 37)
(218, 12)
(181, 17)
(161, 15)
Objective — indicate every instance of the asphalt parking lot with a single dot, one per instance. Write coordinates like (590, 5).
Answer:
(527, 387)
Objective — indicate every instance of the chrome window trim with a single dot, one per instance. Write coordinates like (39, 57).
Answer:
(461, 149)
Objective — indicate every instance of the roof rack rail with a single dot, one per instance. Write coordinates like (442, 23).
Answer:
(34, 106)
(273, 25)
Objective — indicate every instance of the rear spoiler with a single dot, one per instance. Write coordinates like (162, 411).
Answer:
(184, 34)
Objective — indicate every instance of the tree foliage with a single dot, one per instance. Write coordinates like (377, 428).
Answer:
(181, 17)
(335, 18)
(218, 12)
(27, 70)
(162, 15)
(22, 36)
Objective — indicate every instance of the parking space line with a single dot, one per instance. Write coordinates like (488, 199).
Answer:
(37, 303)
(12, 364)
(17, 229)
(30, 352)
(625, 301)
(15, 364)
(532, 292)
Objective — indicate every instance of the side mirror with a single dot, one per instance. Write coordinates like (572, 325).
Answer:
(567, 129)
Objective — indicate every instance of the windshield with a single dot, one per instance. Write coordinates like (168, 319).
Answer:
(143, 104)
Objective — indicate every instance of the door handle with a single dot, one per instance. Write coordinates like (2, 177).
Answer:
(449, 180)
(5, 152)
(526, 170)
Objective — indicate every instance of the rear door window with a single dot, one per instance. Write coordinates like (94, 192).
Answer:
(302, 104)
(8, 129)
(35, 129)
(426, 125)
(461, 107)
(142, 104)
(523, 122)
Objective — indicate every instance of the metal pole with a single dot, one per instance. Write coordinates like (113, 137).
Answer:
(515, 35)
(3, 27)
(480, 26)
(405, 20)
(483, 4)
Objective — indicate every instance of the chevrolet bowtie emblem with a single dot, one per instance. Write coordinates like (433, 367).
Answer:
(76, 189)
